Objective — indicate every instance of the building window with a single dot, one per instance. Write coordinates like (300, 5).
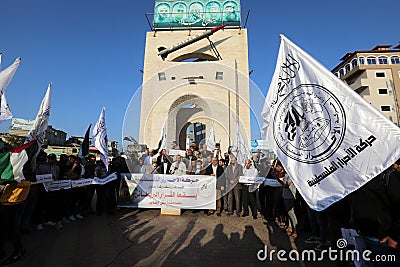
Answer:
(341, 72)
(347, 67)
(395, 60)
(173, 78)
(361, 60)
(371, 60)
(383, 60)
(385, 108)
(383, 91)
(161, 76)
(354, 63)
(380, 75)
(337, 74)
(219, 75)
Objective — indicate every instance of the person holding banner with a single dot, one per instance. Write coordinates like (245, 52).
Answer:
(101, 190)
(381, 220)
(217, 171)
(278, 209)
(53, 200)
(189, 158)
(153, 168)
(289, 196)
(34, 206)
(90, 171)
(232, 174)
(249, 197)
(164, 167)
(72, 172)
(221, 162)
(199, 170)
(178, 167)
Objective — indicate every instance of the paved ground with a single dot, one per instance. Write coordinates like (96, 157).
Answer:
(144, 238)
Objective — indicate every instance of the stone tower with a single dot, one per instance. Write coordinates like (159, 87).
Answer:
(203, 82)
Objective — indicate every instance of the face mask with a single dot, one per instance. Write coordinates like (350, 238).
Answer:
(198, 167)
(155, 165)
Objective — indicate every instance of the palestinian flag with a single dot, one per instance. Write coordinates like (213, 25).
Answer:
(17, 164)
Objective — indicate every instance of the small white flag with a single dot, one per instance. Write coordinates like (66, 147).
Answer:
(163, 140)
(41, 121)
(5, 79)
(5, 112)
(210, 142)
(7, 75)
(100, 137)
(241, 148)
(329, 139)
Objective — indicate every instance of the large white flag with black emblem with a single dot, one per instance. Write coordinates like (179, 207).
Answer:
(100, 137)
(329, 139)
(41, 121)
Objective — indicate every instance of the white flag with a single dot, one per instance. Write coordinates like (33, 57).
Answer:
(241, 148)
(5, 79)
(7, 75)
(41, 121)
(100, 137)
(329, 139)
(5, 112)
(210, 142)
(163, 140)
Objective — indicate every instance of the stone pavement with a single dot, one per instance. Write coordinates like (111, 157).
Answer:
(144, 238)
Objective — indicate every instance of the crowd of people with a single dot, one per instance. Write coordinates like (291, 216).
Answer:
(55, 209)
(372, 210)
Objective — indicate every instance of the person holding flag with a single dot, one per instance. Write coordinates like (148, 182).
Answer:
(100, 138)
(104, 196)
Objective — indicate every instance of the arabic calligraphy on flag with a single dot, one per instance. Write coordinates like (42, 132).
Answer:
(100, 137)
(329, 139)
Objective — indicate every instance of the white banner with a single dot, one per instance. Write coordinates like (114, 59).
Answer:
(251, 180)
(81, 182)
(43, 178)
(22, 124)
(57, 185)
(156, 191)
(105, 180)
(174, 152)
(68, 184)
(329, 139)
(272, 182)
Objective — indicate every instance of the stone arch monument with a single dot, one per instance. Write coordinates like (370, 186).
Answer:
(194, 84)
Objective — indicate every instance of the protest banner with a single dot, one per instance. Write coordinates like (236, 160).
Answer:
(156, 191)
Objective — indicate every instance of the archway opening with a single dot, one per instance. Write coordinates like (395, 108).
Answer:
(192, 133)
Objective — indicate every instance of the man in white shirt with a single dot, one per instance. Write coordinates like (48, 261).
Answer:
(249, 171)
(178, 167)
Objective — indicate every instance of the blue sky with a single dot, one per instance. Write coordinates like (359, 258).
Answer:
(92, 51)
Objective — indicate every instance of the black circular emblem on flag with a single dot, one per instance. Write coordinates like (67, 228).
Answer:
(309, 124)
